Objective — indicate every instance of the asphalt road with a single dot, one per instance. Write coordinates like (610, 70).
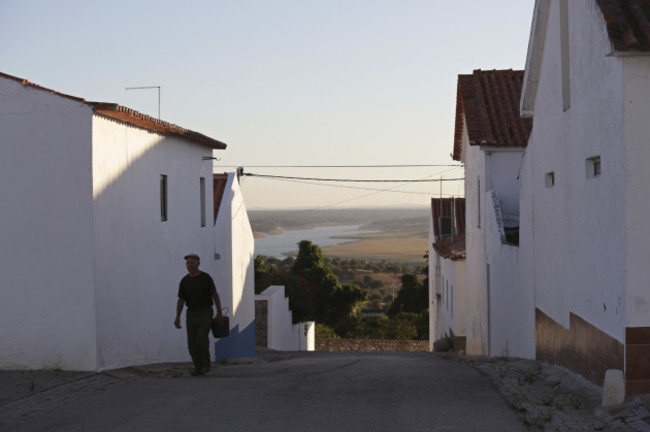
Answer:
(302, 392)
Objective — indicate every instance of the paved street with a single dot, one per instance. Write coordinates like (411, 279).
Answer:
(302, 392)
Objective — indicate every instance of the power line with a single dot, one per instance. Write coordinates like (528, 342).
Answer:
(336, 166)
(352, 180)
(391, 190)
(373, 191)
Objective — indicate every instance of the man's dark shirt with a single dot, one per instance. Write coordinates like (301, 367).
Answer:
(197, 291)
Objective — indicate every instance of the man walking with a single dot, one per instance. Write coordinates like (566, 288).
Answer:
(198, 292)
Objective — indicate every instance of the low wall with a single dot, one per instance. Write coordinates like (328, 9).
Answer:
(372, 345)
(274, 326)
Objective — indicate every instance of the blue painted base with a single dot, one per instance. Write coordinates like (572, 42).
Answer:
(237, 344)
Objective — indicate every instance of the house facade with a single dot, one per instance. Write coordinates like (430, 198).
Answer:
(490, 138)
(103, 203)
(234, 270)
(447, 289)
(584, 230)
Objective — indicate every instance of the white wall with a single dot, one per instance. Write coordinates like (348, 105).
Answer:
(573, 233)
(46, 258)
(512, 311)
(139, 258)
(234, 274)
(433, 262)
(503, 168)
(452, 308)
(475, 187)
(282, 334)
(493, 298)
(636, 78)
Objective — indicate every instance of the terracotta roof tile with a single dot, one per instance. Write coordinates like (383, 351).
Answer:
(219, 188)
(488, 101)
(453, 249)
(628, 23)
(132, 117)
(135, 118)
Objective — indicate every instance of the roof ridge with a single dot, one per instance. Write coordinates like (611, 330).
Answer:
(488, 101)
(129, 116)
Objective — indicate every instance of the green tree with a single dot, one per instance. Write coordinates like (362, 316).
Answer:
(402, 326)
(310, 265)
(413, 297)
(265, 274)
(344, 303)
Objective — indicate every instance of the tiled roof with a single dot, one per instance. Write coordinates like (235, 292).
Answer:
(219, 188)
(132, 117)
(451, 248)
(628, 23)
(488, 101)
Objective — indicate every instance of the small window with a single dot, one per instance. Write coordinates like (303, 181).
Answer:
(593, 166)
(550, 179)
(202, 191)
(163, 197)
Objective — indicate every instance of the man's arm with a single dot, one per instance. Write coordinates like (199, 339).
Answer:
(179, 309)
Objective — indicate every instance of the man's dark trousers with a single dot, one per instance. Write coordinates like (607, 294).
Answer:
(199, 321)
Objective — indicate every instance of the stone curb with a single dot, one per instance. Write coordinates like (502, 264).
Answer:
(552, 398)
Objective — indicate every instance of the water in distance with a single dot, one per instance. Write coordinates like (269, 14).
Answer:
(279, 245)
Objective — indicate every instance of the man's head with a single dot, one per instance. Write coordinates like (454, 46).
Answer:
(192, 262)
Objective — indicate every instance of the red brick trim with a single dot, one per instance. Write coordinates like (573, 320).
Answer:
(582, 348)
(637, 360)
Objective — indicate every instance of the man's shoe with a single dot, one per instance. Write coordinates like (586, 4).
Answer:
(197, 372)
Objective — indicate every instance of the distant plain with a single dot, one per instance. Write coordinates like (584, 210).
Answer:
(400, 234)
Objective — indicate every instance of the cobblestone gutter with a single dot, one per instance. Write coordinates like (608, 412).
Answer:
(551, 398)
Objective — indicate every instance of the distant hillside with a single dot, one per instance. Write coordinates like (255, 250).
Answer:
(399, 234)
(266, 222)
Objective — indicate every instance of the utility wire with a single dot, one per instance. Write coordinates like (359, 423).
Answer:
(336, 166)
(352, 180)
(373, 192)
(354, 187)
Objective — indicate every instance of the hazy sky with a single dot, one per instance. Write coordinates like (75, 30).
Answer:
(302, 82)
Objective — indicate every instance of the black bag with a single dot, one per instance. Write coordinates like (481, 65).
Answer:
(221, 329)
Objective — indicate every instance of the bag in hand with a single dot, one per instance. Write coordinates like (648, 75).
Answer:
(221, 329)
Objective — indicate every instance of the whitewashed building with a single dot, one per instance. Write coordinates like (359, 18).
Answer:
(234, 270)
(100, 204)
(447, 288)
(275, 320)
(584, 186)
(490, 138)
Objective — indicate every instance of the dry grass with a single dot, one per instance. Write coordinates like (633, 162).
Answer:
(401, 247)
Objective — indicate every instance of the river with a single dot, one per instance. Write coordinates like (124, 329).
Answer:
(279, 245)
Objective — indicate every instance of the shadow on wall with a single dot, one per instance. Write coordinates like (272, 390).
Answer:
(237, 344)
(138, 253)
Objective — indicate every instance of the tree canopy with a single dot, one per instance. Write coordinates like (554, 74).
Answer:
(316, 294)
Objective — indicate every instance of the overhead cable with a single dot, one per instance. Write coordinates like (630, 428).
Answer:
(352, 180)
(340, 166)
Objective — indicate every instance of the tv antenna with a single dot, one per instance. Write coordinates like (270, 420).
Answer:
(148, 87)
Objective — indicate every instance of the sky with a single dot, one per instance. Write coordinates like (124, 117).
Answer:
(336, 89)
